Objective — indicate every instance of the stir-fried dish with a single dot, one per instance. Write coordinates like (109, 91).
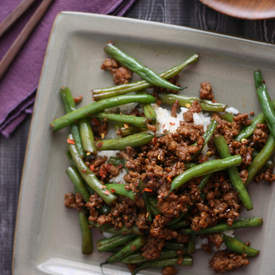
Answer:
(165, 174)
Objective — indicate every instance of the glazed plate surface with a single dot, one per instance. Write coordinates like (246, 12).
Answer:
(48, 239)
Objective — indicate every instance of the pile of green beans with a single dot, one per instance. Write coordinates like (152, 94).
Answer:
(186, 261)
(134, 140)
(265, 102)
(242, 223)
(109, 244)
(185, 101)
(132, 64)
(235, 245)
(89, 176)
(97, 107)
(127, 243)
(99, 94)
(69, 106)
(233, 173)
(132, 120)
(205, 168)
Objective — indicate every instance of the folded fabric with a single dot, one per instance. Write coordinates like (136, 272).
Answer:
(18, 86)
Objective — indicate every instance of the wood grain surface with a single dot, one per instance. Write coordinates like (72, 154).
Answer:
(180, 12)
(247, 9)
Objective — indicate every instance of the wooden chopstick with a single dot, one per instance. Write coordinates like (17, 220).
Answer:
(14, 15)
(23, 36)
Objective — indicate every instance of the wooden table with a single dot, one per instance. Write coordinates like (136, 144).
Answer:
(180, 12)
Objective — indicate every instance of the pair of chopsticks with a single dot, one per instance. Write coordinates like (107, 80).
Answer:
(26, 31)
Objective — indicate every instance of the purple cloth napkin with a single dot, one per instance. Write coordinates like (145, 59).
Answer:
(18, 86)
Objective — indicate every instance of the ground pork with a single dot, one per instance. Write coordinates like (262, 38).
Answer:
(121, 75)
(223, 261)
(206, 91)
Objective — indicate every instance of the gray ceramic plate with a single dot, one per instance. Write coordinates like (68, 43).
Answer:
(47, 237)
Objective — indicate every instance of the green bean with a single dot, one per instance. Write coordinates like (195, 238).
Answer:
(149, 213)
(262, 157)
(178, 225)
(191, 245)
(127, 250)
(134, 140)
(78, 182)
(137, 258)
(239, 247)
(104, 209)
(108, 228)
(129, 119)
(129, 130)
(132, 64)
(265, 102)
(87, 137)
(96, 107)
(186, 261)
(153, 206)
(175, 220)
(248, 131)
(99, 94)
(203, 182)
(242, 223)
(87, 242)
(184, 101)
(209, 132)
(189, 165)
(119, 189)
(89, 176)
(150, 113)
(69, 106)
(205, 168)
(227, 116)
(116, 161)
(109, 244)
(174, 246)
(233, 173)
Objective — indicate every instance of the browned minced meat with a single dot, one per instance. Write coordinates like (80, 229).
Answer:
(169, 270)
(215, 239)
(73, 201)
(100, 128)
(244, 149)
(174, 108)
(152, 248)
(242, 119)
(223, 261)
(206, 91)
(266, 175)
(150, 171)
(173, 80)
(100, 166)
(222, 203)
(121, 75)
(158, 229)
(260, 134)
(195, 108)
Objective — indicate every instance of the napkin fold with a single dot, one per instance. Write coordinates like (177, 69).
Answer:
(18, 86)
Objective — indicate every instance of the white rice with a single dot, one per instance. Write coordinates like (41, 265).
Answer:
(232, 110)
(202, 119)
(108, 154)
(168, 123)
(230, 233)
(119, 177)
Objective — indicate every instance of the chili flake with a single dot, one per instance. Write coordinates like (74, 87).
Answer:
(70, 141)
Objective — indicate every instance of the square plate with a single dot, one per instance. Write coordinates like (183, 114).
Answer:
(47, 237)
